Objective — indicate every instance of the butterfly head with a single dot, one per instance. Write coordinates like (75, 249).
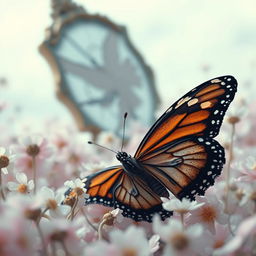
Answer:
(122, 156)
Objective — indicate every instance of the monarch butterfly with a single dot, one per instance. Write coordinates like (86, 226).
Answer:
(178, 154)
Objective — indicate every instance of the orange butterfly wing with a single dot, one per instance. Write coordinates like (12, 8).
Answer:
(113, 187)
(178, 151)
(199, 112)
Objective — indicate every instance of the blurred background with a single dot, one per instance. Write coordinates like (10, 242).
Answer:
(184, 42)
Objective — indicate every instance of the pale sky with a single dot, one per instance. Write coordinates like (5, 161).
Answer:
(177, 39)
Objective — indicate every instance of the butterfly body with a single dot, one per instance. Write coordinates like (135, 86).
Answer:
(129, 163)
(134, 168)
(178, 154)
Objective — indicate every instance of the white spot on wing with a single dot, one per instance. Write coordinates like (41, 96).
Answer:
(181, 101)
(192, 102)
(216, 81)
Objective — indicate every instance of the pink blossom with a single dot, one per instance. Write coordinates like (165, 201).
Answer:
(64, 232)
(75, 156)
(133, 240)
(244, 239)
(221, 236)
(87, 233)
(17, 235)
(61, 140)
(33, 145)
(211, 212)
(6, 160)
(24, 164)
(181, 241)
(23, 204)
(52, 202)
(181, 206)
(100, 248)
(23, 186)
(57, 174)
(33, 152)
(249, 170)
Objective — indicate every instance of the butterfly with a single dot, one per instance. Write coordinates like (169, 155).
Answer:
(178, 154)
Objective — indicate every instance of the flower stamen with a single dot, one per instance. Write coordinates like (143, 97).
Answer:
(179, 241)
(208, 214)
(22, 188)
(4, 161)
(33, 150)
(129, 252)
(51, 204)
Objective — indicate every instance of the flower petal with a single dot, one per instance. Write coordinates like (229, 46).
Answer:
(47, 192)
(59, 198)
(13, 186)
(21, 178)
(26, 141)
(2, 150)
(4, 171)
(64, 209)
(31, 185)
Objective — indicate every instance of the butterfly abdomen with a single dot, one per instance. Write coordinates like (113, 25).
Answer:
(156, 186)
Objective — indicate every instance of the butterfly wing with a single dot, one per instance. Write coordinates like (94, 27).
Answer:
(199, 112)
(113, 187)
(187, 167)
(179, 150)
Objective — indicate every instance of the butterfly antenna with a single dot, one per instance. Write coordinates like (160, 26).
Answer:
(93, 143)
(125, 116)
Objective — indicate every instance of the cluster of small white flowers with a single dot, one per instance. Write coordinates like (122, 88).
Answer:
(36, 173)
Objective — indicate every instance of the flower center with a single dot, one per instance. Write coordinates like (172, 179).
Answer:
(61, 144)
(218, 244)
(33, 150)
(4, 161)
(233, 187)
(239, 194)
(208, 213)
(51, 204)
(78, 191)
(58, 235)
(22, 188)
(233, 119)
(253, 196)
(74, 159)
(109, 218)
(22, 242)
(73, 196)
(179, 241)
(32, 214)
(109, 139)
(129, 252)
(70, 200)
